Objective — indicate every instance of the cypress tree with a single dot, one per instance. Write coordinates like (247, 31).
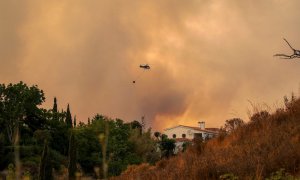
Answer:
(43, 164)
(55, 106)
(69, 117)
(74, 121)
(62, 116)
(54, 110)
(72, 157)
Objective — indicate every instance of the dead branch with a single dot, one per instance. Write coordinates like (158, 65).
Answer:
(296, 53)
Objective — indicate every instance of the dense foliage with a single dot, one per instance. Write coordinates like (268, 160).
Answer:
(50, 140)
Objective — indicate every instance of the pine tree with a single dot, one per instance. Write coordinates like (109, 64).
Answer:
(69, 117)
(72, 157)
(89, 121)
(54, 110)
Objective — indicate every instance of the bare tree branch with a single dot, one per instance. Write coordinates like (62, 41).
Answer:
(296, 53)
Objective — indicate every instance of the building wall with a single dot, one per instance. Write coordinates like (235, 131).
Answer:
(206, 135)
(179, 131)
(189, 132)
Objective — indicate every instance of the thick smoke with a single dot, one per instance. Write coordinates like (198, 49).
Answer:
(208, 58)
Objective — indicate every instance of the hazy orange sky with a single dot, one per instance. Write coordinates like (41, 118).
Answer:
(208, 57)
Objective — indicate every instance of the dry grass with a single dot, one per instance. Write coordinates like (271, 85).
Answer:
(254, 151)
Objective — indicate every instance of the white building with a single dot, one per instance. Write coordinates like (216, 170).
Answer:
(188, 132)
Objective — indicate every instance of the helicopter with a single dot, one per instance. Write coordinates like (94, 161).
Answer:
(145, 66)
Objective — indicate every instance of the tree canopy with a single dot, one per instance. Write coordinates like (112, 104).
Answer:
(52, 140)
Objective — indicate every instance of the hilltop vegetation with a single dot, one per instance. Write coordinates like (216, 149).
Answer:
(266, 147)
(48, 144)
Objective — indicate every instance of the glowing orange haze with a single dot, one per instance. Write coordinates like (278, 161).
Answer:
(208, 58)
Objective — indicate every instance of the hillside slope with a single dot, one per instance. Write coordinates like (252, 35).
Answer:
(256, 150)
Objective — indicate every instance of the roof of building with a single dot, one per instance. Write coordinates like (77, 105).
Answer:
(213, 129)
(208, 130)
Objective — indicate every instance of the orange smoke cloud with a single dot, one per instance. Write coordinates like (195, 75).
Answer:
(207, 58)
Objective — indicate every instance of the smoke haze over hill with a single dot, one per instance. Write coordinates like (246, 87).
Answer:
(207, 57)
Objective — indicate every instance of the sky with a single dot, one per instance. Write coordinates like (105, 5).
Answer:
(210, 60)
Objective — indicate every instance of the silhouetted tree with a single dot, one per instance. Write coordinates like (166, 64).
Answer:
(19, 103)
(157, 135)
(232, 124)
(259, 116)
(62, 116)
(74, 121)
(45, 170)
(167, 147)
(289, 102)
(164, 136)
(54, 110)
(72, 157)
(69, 117)
(136, 125)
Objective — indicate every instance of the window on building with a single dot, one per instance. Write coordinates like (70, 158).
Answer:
(198, 136)
(183, 135)
(174, 135)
